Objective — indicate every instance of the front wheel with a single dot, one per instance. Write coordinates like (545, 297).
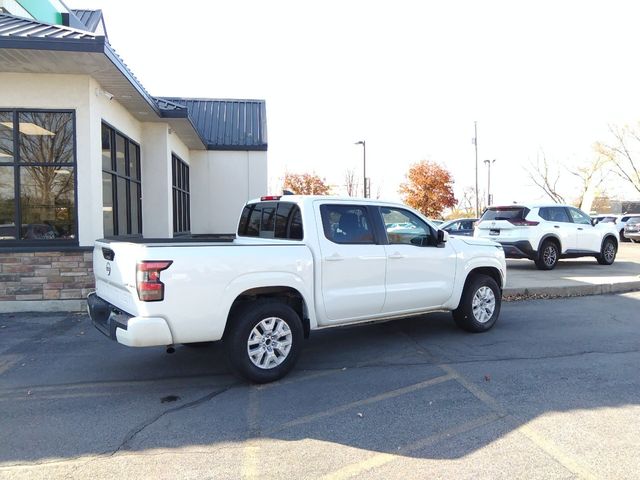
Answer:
(607, 252)
(479, 306)
(264, 341)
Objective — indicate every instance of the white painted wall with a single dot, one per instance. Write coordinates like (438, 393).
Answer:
(221, 183)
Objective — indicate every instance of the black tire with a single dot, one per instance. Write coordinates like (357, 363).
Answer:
(623, 238)
(473, 320)
(608, 252)
(548, 255)
(246, 322)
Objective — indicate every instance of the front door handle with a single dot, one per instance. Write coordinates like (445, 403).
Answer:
(556, 226)
(397, 255)
(580, 228)
(336, 257)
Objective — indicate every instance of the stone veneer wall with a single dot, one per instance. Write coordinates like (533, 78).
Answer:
(56, 275)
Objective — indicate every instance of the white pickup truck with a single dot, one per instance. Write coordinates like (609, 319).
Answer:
(298, 263)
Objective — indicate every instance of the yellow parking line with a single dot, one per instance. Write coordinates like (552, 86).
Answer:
(564, 458)
(384, 458)
(8, 361)
(360, 403)
(324, 373)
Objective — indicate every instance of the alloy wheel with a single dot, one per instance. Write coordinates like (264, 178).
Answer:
(483, 304)
(269, 343)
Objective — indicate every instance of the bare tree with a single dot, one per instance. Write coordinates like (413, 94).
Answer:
(546, 177)
(351, 182)
(591, 176)
(624, 153)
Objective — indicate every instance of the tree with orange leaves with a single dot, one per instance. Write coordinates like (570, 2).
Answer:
(305, 184)
(428, 188)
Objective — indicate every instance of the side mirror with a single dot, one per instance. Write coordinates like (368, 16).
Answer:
(594, 222)
(442, 237)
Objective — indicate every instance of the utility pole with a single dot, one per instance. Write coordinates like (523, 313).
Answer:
(475, 142)
(364, 166)
(489, 162)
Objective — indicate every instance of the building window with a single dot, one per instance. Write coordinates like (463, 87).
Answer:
(121, 186)
(181, 196)
(37, 177)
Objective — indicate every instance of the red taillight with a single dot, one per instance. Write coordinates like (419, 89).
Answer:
(519, 222)
(148, 284)
(270, 197)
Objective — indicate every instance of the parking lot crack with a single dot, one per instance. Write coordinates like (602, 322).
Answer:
(133, 433)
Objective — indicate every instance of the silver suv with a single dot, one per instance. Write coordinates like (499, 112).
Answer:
(545, 233)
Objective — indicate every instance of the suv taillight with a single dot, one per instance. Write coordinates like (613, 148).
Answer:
(148, 284)
(520, 222)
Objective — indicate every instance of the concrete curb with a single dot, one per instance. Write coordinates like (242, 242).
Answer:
(571, 291)
(24, 306)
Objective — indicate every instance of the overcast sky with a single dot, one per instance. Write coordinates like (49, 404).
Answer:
(408, 77)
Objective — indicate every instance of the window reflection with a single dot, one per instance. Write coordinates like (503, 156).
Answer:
(46, 137)
(38, 175)
(6, 137)
(7, 204)
(47, 203)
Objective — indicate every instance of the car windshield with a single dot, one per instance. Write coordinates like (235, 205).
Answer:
(504, 213)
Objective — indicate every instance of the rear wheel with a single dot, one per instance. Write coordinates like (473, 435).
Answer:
(547, 256)
(607, 252)
(264, 341)
(479, 306)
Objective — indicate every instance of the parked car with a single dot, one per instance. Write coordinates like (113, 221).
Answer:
(604, 219)
(545, 233)
(460, 226)
(632, 229)
(298, 264)
(621, 221)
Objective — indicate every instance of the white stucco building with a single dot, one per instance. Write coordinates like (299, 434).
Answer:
(86, 152)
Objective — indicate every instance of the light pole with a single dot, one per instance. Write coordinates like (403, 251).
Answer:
(364, 165)
(489, 162)
(475, 144)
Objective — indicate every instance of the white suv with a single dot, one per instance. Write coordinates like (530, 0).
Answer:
(546, 233)
(621, 222)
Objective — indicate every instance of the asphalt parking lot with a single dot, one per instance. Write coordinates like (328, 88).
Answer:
(552, 391)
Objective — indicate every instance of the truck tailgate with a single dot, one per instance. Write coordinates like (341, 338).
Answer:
(114, 267)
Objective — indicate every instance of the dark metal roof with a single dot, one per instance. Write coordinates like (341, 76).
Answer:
(220, 124)
(17, 27)
(92, 20)
(227, 124)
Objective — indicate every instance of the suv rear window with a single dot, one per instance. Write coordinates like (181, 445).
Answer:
(271, 220)
(505, 213)
(633, 221)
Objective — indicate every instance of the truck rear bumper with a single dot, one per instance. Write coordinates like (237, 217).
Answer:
(125, 328)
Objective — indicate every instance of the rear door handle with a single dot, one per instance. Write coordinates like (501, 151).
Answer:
(556, 226)
(336, 257)
(580, 228)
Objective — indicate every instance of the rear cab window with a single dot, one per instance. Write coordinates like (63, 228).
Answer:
(278, 220)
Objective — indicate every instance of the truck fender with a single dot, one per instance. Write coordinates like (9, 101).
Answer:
(252, 281)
